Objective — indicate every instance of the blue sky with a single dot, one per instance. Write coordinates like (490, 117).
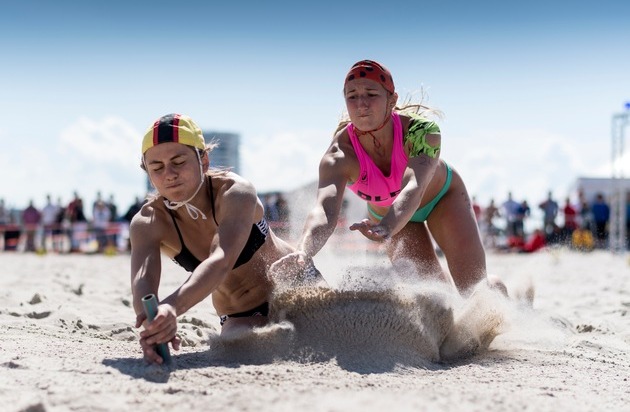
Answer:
(527, 90)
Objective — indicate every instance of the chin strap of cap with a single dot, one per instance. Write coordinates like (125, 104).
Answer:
(192, 210)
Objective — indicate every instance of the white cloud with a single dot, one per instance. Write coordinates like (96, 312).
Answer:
(284, 161)
(528, 163)
(111, 141)
(88, 156)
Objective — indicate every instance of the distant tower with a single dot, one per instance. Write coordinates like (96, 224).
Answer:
(617, 224)
(227, 154)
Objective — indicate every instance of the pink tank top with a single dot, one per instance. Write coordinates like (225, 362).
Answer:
(372, 185)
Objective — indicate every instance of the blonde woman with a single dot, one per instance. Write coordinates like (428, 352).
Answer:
(390, 158)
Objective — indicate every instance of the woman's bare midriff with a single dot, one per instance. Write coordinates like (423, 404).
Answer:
(248, 285)
(434, 188)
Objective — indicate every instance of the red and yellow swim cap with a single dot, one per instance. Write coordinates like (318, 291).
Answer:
(175, 128)
(369, 69)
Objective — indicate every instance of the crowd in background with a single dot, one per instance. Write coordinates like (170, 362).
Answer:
(68, 228)
(583, 225)
(277, 212)
(507, 226)
(63, 228)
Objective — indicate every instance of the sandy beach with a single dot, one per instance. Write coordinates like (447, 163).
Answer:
(374, 342)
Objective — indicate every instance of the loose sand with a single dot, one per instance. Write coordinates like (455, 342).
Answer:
(376, 341)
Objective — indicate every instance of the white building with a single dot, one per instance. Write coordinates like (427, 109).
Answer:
(227, 154)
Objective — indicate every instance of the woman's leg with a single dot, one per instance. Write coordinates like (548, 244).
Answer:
(414, 244)
(453, 226)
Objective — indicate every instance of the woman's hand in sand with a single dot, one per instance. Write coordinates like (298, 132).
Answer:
(296, 269)
(289, 269)
(372, 231)
(162, 329)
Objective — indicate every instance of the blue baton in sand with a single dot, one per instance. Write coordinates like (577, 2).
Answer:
(150, 304)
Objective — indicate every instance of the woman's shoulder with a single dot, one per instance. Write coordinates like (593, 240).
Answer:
(340, 150)
(230, 183)
(228, 178)
(152, 214)
(340, 158)
(421, 135)
(341, 143)
(412, 122)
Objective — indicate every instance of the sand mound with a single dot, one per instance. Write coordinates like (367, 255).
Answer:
(369, 324)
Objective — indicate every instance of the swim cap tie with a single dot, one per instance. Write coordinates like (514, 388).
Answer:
(192, 210)
(377, 143)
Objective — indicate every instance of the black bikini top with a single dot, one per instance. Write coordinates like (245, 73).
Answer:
(257, 237)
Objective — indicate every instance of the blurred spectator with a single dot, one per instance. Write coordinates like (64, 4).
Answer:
(113, 217)
(521, 244)
(133, 209)
(586, 216)
(74, 210)
(127, 217)
(522, 212)
(100, 220)
(510, 211)
(99, 198)
(489, 229)
(536, 241)
(75, 222)
(515, 232)
(570, 217)
(550, 212)
(31, 218)
(271, 210)
(113, 209)
(60, 237)
(9, 231)
(601, 216)
(4, 213)
(50, 213)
